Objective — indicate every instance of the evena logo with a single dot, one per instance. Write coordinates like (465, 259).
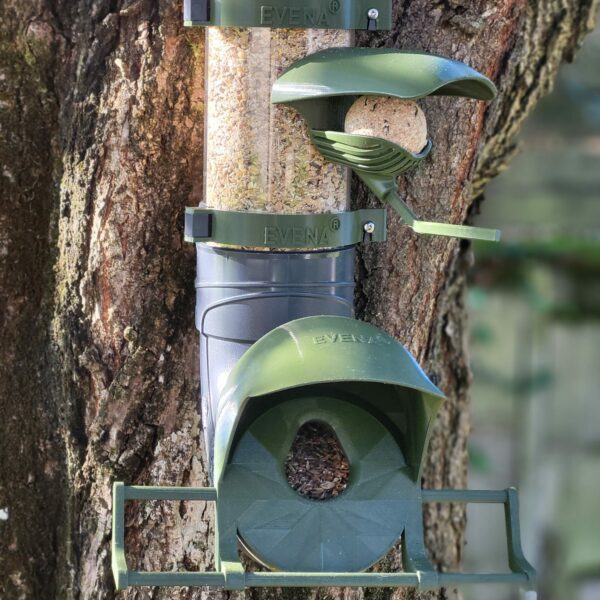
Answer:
(349, 338)
(296, 236)
(293, 16)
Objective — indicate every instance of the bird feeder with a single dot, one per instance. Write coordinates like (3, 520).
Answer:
(278, 345)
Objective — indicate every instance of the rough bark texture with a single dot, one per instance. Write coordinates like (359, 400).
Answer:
(101, 149)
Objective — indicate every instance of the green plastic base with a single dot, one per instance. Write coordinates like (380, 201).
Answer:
(418, 573)
(288, 533)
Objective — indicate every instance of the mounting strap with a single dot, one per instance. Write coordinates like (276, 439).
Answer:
(307, 14)
(280, 231)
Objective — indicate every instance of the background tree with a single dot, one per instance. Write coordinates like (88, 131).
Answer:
(101, 149)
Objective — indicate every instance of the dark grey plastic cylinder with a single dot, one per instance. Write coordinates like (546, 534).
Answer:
(241, 296)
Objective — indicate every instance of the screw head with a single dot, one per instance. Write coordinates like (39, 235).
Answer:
(369, 227)
(373, 14)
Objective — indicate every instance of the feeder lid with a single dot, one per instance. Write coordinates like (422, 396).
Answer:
(379, 72)
(334, 355)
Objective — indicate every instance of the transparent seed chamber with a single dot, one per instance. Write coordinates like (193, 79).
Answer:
(258, 156)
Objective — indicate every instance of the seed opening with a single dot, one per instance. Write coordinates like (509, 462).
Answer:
(317, 467)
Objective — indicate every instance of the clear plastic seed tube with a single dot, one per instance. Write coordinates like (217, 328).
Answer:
(259, 156)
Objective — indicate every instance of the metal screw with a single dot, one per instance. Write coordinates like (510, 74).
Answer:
(373, 14)
(369, 227)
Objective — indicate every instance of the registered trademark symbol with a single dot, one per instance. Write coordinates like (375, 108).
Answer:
(335, 224)
(334, 6)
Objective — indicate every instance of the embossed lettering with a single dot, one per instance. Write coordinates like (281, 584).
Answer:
(266, 15)
(349, 338)
(271, 236)
(299, 236)
(295, 16)
(296, 236)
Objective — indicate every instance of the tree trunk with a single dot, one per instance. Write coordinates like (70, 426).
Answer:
(101, 149)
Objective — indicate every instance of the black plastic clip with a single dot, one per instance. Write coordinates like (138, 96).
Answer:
(197, 11)
(198, 225)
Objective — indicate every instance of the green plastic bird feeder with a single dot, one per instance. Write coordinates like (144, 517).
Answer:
(279, 349)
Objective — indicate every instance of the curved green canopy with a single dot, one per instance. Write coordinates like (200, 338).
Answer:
(334, 356)
(379, 72)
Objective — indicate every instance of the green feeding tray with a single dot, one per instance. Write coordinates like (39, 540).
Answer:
(323, 87)
(381, 406)
(287, 532)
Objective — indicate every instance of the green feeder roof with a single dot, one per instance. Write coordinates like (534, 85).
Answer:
(336, 356)
(379, 72)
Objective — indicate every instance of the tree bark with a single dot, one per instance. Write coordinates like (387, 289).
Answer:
(101, 148)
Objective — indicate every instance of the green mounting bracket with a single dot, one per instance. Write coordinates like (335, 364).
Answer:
(314, 14)
(279, 231)
(231, 575)
(323, 87)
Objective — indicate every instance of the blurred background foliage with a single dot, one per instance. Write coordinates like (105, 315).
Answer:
(535, 343)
